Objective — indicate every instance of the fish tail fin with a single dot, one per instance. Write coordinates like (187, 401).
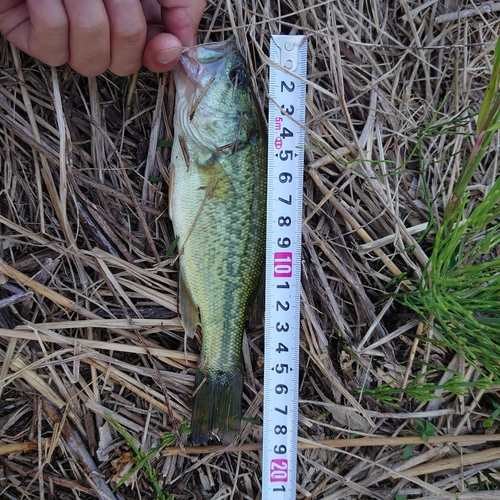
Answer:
(216, 406)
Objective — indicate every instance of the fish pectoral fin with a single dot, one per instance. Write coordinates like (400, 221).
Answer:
(216, 406)
(190, 317)
(217, 182)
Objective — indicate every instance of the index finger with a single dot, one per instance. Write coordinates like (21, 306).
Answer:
(181, 18)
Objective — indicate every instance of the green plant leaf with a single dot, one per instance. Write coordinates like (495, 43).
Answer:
(491, 419)
(171, 248)
(155, 178)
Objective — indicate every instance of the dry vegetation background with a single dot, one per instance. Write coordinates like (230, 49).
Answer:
(88, 317)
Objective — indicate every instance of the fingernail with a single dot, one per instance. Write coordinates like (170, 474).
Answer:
(168, 55)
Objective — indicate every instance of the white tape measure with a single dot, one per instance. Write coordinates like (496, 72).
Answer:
(283, 264)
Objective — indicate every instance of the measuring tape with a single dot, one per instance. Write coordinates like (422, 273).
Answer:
(283, 263)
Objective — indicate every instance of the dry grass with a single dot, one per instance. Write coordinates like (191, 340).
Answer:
(88, 292)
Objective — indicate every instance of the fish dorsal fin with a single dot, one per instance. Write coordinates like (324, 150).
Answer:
(189, 311)
(256, 303)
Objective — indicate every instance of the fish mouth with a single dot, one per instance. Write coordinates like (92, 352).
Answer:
(208, 52)
(198, 64)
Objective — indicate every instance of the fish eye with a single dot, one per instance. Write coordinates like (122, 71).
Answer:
(238, 77)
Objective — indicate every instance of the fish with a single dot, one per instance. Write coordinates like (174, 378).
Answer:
(217, 207)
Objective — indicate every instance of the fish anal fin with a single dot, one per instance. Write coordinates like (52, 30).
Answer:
(216, 406)
(188, 309)
(171, 181)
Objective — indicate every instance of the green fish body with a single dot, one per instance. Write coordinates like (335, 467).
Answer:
(217, 206)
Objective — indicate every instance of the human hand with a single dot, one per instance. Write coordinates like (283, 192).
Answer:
(95, 35)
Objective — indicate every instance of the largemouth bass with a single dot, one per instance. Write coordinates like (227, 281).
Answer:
(217, 206)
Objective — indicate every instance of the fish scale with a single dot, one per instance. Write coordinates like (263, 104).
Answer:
(217, 205)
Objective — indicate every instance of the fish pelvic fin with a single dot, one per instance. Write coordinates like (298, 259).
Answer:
(188, 309)
(216, 406)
